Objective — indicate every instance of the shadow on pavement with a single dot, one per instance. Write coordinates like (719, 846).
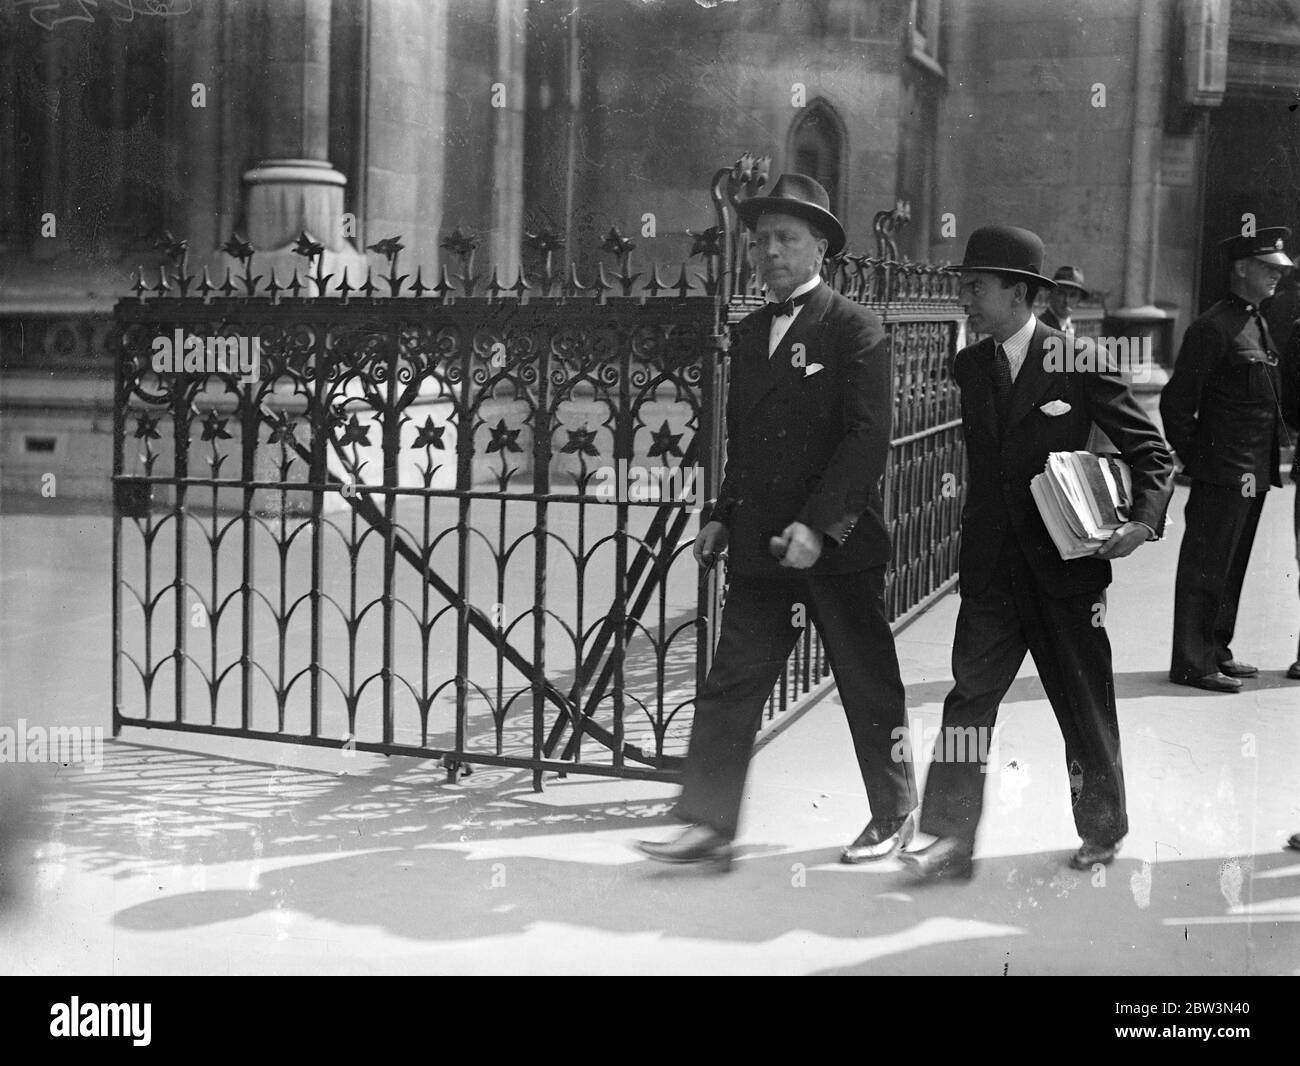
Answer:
(441, 863)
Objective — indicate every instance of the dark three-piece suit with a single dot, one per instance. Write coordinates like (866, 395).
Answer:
(808, 432)
(1019, 595)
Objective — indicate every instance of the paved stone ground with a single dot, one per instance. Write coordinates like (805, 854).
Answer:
(186, 854)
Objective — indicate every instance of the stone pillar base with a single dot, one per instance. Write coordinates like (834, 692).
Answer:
(285, 197)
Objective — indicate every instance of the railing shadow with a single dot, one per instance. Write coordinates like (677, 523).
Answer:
(446, 864)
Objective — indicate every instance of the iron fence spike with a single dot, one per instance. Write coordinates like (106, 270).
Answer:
(683, 284)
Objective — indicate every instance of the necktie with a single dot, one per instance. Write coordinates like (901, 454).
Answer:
(786, 307)
(1265, 337)
(1002, 383)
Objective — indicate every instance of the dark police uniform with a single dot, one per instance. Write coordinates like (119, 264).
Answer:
(1222, 413)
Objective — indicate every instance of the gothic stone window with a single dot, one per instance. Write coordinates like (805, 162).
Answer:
(817, 148)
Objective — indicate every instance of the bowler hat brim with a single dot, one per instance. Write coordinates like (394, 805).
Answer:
(1018, 275)
(749, 211)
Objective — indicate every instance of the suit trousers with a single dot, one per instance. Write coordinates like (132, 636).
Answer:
(756, 638)
(1067, 638)
(1220, 531)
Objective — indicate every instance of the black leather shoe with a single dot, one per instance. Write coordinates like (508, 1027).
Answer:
(697, 844)
(1212, 683)
(880, 839)
(1293, 841)
(1293, 671)
(1236, 668)
(947, 859)
(1089, 854)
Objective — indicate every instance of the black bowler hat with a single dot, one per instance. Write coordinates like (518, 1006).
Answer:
(803, 197)
(1267, 244)
(1070, 278)
(1008, 250)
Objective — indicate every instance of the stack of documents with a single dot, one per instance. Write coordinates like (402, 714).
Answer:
(1083, 499)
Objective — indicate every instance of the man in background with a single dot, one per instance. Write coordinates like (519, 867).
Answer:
(1062, 300)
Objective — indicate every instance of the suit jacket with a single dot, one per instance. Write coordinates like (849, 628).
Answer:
(1001, 464)
(1049, 319)
(1222, 406)
(807, 444)
(1291, 389)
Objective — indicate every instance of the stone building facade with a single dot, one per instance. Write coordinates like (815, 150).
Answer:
(1131, 134)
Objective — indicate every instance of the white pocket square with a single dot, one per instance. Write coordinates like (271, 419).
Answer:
(811, 369)
(1055, 407)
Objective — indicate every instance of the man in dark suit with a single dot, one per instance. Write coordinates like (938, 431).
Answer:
(1017, 593)
(1223, 415)
(1064, 298)
(799, 513)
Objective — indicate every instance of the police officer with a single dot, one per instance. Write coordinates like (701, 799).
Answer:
(1222, 412)
(1062, 300)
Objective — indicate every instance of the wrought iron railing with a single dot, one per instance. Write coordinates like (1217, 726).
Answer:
(417, 528)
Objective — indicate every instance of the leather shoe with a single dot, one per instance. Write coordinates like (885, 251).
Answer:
(880, 839)
(1293, 841)
(1236, 668)
(947, 859)
(697, 844)
(1293, 671)
(1090, 853)
(1212, 683)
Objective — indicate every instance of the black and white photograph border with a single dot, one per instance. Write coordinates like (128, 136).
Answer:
(513, 487)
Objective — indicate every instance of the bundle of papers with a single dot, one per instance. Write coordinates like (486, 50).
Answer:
(1083, 498)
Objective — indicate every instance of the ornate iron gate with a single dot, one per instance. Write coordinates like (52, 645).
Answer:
(453, 525)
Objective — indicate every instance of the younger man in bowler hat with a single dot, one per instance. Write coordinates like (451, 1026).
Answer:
(799, 513)
(1017, 593)
(1222, 412)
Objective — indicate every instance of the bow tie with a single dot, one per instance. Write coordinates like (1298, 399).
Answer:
(786, 307)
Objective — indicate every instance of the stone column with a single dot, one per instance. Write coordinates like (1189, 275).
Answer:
(1139, 318)
(1149, 71)
(293, 186)
(508, 145)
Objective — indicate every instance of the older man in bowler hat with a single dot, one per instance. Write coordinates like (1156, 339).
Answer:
(1064, 298)
(1222, 411)
(1017, 593)
(799, 514)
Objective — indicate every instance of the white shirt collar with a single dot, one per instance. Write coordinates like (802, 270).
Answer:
(807, 286)
(1017, 345)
